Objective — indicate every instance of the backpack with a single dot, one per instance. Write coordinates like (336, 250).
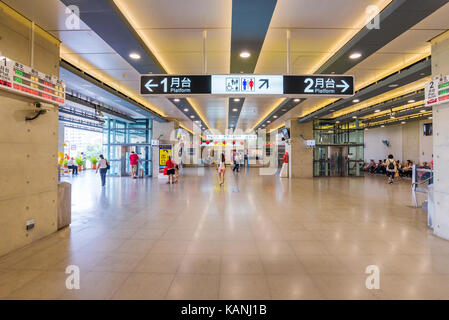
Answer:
(391, 166)
(108, 166)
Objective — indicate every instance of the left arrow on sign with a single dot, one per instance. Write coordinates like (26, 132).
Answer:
(149, 84)
(345, 86)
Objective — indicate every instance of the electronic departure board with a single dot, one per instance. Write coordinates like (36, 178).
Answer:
(24, 80)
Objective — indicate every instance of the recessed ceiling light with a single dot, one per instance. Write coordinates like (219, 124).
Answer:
(422, 111)
(134, 56)
(354, 117)
(356, 100)
(393, 85)
(268, 121)
(245, 54)
(186, 109)
(332, 110)
(275, 117)
(377, 110)
(263, 125)
(382, 126)
(236, 99)
(296, 100)
(192, 116)
(337, 121)
(235, 110)
(429, 118)
(176, 100)
(355, 55)
(284, 110)
(402, 122)
(392, 117)
(411, 101)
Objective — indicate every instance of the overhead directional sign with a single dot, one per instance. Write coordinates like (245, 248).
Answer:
(324, 85)
(248, 84)
(175, 85)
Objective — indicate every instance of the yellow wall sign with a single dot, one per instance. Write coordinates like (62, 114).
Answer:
(164, 153)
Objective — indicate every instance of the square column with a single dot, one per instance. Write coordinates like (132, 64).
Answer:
(300, 157)
(440, 66)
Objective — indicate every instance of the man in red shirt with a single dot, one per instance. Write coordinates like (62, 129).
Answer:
(133, 158)
(170, 165)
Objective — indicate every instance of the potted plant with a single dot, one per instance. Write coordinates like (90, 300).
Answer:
(65, 163)
(94, 161)
(79, 162)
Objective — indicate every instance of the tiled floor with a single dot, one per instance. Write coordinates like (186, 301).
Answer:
(258, 237)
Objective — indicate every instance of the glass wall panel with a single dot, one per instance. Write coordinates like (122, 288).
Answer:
(338, 141)
(132, 137)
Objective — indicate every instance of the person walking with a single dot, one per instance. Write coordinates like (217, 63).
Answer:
(74, 167)
(222, 169)
(70, 165)
(170, 166)
(133, 159)
(103, 167)
(391, 168)
(236, 163)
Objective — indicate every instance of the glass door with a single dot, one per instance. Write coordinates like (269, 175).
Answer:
(336, 162)
(321, 161)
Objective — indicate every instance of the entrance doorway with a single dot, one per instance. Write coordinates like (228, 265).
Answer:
(338, 161)
(144, 164)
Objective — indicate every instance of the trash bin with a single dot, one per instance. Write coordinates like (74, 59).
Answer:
(64, 204)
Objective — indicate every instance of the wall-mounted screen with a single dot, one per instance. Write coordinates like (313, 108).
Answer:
(428, 129)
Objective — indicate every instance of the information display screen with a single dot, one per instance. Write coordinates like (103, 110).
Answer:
(24, 80)
(437, 91)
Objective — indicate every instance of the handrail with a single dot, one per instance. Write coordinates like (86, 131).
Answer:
(416, 183)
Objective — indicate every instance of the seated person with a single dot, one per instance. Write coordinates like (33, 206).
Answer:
(381, 167)
(368, 167)
(372, 166)
(400, 168)
(408, 168)
(425, 175)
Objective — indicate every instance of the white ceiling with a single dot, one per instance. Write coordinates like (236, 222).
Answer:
(172, 29)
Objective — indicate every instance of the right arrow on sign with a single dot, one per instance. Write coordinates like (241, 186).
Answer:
(345, 86)
(149, 84)
(264, 83)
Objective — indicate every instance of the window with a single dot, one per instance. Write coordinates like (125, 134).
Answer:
(427, 129)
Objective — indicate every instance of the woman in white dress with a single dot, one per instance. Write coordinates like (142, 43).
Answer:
(221, 169)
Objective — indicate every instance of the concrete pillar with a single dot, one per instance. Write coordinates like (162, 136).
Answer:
(300, 157)
(440, 66)
(29, 149)
(61, 137)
